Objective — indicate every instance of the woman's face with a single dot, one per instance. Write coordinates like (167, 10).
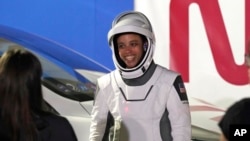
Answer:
(130, 49)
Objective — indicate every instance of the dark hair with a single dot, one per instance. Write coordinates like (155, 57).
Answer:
(20, 92)
(237, 114)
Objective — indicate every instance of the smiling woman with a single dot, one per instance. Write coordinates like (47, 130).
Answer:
(130, 48)
(140, 100)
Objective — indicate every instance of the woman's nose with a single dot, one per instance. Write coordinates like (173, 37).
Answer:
(127, 48)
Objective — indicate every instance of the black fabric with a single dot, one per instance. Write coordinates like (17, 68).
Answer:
(236, 114)
(180, 88)
(59, 129)
(50, 128)
(142, 79)
(165, 127)
(109, 127)
(4, 136)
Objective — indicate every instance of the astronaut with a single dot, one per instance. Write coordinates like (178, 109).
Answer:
(140, 100)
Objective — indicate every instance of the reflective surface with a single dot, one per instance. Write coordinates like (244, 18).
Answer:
(56, 78)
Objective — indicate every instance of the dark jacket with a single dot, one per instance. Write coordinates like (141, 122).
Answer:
(51, 128)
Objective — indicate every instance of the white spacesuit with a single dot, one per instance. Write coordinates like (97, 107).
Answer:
(144, 103)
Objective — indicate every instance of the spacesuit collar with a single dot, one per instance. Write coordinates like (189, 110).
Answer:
(142, 79)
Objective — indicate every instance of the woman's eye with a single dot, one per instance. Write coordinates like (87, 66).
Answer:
(134, 44)
(120, 46)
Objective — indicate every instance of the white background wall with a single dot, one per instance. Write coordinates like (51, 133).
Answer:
(205, 82)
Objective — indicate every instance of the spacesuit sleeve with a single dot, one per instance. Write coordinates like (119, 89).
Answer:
(98, 116)
(179, 112)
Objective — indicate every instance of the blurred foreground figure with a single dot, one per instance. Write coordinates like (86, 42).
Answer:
(237, 114)
(22, 117)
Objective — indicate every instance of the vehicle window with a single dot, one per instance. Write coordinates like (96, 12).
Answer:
(58, 77)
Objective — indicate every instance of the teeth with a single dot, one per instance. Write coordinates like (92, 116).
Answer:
(129, 57)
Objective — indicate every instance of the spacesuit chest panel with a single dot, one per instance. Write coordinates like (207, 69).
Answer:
(139, 107)
(131, 100)
(134, 93)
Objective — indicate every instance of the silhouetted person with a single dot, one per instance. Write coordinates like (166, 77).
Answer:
(236, 114)
(22, 117)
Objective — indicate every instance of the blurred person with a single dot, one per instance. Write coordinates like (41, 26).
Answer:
(237, 114)
(140, 100)
(22, 117)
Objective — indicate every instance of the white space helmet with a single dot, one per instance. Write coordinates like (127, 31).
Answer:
(132, 22)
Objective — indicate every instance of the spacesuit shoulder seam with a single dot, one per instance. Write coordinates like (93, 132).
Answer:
(104, 81)
(168, 76)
